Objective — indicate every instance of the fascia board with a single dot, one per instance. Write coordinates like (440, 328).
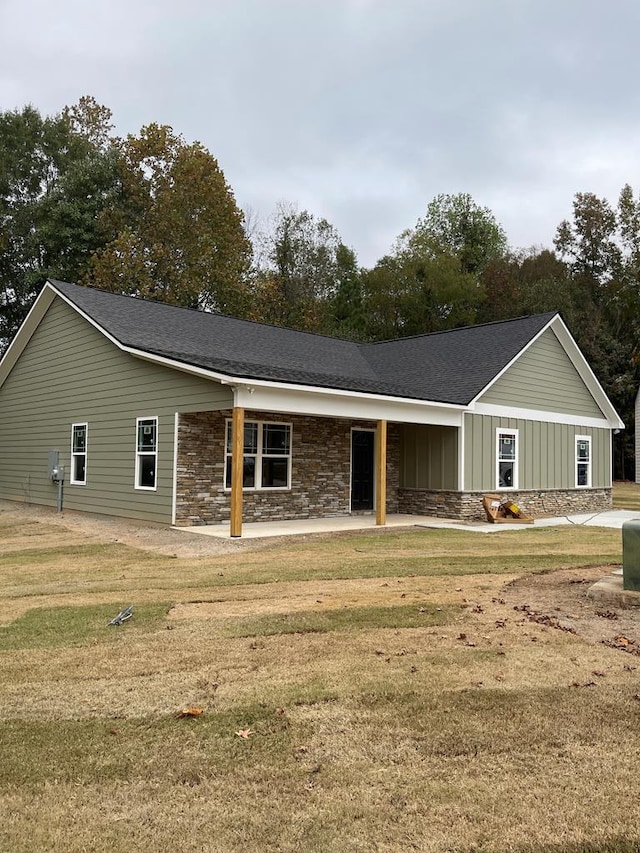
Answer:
(587, 375)
(580, 363)
(324, 402)
(242, 383)
(249, 386)
(26, 330)
(542, 415)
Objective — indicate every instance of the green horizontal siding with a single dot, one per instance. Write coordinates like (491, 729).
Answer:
(546, 453)
(544, 378)
(70, 373)
(429, 457)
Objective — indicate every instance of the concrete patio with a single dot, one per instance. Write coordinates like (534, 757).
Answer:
(303, 527)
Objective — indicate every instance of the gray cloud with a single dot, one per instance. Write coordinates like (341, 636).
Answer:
(359, 110)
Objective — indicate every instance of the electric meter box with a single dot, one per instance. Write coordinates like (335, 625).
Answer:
(631, 554)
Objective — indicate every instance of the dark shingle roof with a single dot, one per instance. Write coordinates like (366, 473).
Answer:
(446, 367)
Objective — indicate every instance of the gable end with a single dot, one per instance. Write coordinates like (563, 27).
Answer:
(544, 378)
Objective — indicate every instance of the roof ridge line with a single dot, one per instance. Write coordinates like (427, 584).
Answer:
(461, 328)
(201, 311)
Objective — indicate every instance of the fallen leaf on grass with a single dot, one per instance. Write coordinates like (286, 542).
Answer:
(624, 644)
(244, 733)
(190, 712)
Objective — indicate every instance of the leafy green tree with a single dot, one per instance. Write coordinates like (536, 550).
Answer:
(589, 243)
(600, 246)
(455, 225)
(57, 174)
(347, 308)
(175, 232)
(432, 280)
(530, 281)
(300, 262)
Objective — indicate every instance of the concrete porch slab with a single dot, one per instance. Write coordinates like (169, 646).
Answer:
(303, 527)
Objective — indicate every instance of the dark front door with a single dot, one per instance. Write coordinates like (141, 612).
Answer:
(362, 468)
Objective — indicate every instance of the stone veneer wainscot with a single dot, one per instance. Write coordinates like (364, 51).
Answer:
(468, 505)
(320, 470)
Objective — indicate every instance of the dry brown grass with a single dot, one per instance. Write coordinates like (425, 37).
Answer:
(626, 495)
(474, 729)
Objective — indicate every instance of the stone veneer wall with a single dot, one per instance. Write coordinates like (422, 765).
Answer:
(468, 505)
(320, 470)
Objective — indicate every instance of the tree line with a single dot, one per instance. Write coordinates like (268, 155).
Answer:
(151, 215)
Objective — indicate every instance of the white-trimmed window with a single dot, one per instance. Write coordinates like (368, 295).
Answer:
(266, 455)
(583, 461)
(146, 452)
(78, 475)
(506, 458)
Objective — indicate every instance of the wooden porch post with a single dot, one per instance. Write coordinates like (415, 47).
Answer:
(381, 473)
(237, 465)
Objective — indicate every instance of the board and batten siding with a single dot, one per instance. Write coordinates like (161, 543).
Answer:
(428, 457)
(546, 453)
(544, 378)
(70, 373)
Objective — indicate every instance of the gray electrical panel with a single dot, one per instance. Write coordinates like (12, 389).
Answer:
(631, 554)
(56, 471)
(54, 461)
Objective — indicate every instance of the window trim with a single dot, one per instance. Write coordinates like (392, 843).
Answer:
(141, 453)
(589, 463)
(513, 432)
(75, 453)
(259, 455)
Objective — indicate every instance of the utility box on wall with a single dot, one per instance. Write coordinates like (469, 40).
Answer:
(631, 554)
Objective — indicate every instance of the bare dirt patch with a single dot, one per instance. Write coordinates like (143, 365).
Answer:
(157, 538)
(559, 599)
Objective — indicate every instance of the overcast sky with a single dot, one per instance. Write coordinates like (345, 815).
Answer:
(360, 111)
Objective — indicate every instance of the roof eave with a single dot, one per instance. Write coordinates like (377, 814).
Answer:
(26, 330)
(578, 360)
(50, 291)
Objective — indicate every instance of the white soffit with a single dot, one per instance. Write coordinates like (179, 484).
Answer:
(323, 402)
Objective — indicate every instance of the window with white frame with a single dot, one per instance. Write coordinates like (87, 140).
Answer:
(507, 458)
(583, 461)
(146, 452)
(266, 462)
(78, 475)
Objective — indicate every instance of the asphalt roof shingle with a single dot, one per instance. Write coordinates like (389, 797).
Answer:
(445, 367)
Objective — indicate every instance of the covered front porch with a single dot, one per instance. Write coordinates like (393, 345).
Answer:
(242, 467)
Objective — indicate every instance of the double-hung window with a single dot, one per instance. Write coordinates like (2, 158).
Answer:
(583, 461)
(507, 458)
(78, 454)
(146, 452)
(266, 460)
